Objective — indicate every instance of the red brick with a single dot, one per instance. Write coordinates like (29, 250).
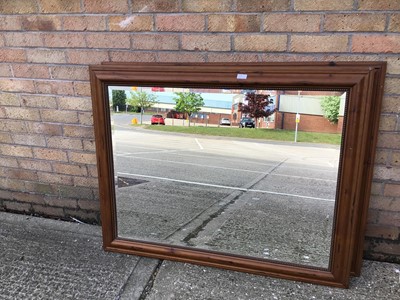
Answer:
(386, 173)
(41, 188)
(92, 169)
(391, 218)
(18, 7)
(46, 56)
(86, 181)
(17, 151)
(12, 55)
(70, 72)
(323, 5)
(106, 6)
(89, 204)
(394, 24)
(155, 42)
(49, 129)
(55, 178)
(155, 6)
(50, 154)
(21, 113)
(28, 197)
(55, 87)
(391, 104)
(75, 103)
(293, 23)
(78, 131)
(388, 123)
(376, 43)
(263, 5)
(311, 43)
(89, 145)
(5, 195)
(85, 118)
(29, 139)
(131, 23)
(5, 70)
(64, 40)
(380, 202)
(355, 22)
(12, 184)
(17, 206)
(84, 23)
(383, 231)
(101, 40)
(59, 116)
(59, 6)
(389, 140)
(132, 56)
(232, 57)
(392, 86)
(38, 101)
(206, 5)
(10, 23)
(180, 23)
(75, 192)
(82, 89)
(30, 71)
(34, 165)
(379, 5)
(234, 23)
(22, 174)
(395, 158)
(9, 162)
(64, 143)
(181, 56)
(82, 157)
(87, 56)
(381, 157)
(17, 85)
(76, 170)
(12, 126)
(7, 99)
(23, 39)
(376, 188)
(6, 138)
(41, 23)
(392, 190)
(48, 210)
(206, 42)
(260, 42)
(60, 202)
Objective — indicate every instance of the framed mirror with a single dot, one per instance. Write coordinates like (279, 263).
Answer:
(236, 165)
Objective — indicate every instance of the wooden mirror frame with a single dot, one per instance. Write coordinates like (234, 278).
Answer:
(364, 83)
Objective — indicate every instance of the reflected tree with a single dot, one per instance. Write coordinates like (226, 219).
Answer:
(118, 100)
(330, 106)
(142, 100)
(188, 103)
(257, 106)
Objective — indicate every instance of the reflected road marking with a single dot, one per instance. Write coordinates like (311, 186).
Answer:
(227, 187)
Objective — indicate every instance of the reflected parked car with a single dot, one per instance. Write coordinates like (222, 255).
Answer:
(157, 119)
(247, 122)
(225, 122)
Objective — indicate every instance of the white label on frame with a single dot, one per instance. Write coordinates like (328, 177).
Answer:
(241, 76)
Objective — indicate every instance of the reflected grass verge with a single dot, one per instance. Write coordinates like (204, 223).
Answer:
(253, 133)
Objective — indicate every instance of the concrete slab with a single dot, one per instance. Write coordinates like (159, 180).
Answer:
(189, 282)
(50, 259)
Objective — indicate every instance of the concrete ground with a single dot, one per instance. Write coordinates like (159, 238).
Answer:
(49, 259)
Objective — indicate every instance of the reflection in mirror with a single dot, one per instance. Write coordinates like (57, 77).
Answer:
(267, 192)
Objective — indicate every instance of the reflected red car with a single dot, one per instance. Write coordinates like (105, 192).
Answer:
(157, 119)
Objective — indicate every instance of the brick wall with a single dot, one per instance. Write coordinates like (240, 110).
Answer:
(47, 154)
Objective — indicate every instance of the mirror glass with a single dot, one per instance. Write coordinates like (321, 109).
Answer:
(214, 177)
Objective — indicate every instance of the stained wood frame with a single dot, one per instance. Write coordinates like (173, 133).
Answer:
(364, 83)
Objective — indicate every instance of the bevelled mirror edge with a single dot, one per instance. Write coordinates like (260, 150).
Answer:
(345, 75)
